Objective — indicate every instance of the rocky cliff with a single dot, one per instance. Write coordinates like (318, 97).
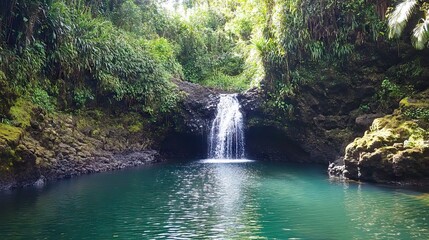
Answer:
(349, 116)
(56, 146)
(395, 149)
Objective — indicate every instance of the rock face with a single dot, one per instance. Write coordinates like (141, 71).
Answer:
(60, 146)
(198, 106)
(187, 139)
(395, 148)
(317, 130)
(266, 139)
(314, 120)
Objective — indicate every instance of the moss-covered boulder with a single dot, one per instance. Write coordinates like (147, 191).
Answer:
(9, 138)
(395, 148)
(9, 134)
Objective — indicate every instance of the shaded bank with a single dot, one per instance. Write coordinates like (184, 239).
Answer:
(63, 145)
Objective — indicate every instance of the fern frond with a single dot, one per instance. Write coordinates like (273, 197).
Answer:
(398, 19)
(421, 34)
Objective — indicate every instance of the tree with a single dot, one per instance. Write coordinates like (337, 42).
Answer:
(402, 13)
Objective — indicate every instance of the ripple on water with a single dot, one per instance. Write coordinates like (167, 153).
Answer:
(201, 200)
(219, 161)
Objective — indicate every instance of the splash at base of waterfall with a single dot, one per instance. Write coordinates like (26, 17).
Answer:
(226, 134)
(217, 160)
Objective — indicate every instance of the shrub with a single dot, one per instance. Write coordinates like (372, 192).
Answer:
(82, 96)
(42, 99)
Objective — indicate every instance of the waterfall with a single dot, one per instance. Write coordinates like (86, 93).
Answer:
(226, 134)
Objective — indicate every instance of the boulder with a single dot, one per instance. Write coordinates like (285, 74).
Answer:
(366, 120)
(395, 148)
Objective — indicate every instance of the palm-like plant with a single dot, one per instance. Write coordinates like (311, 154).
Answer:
(399, 17)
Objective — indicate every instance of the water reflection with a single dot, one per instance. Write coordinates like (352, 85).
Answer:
(214, 201)
(380, 213)
(220, 161)
(199, 200)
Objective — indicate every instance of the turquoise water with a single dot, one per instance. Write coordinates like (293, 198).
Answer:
(196, 200)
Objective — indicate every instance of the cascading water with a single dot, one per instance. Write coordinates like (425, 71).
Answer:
(226, 134)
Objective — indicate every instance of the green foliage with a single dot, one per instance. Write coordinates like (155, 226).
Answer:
(208, 47)
(230, 83)
(417, 113)
(411, 69)
(7, 96)
(125, 52)
(129, 16)
(2, 77)
(82, 96)
(108, 50)
(276, 102)
(299, 32)
(42, 99)
(25, 66)
(402, 13)
(390, 89)
(165, 53)
(365, 108)
(391, 92)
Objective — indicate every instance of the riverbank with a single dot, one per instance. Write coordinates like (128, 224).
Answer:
(68, 168)
(60, 145)
(43, 146)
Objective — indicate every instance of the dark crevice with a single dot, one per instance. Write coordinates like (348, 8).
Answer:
(270, 143)
(179, 145)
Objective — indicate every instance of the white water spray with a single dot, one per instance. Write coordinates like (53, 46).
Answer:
(226, 134)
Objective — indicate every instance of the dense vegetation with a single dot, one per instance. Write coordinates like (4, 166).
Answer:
(119, 58)
(68, 54)
(64, 54)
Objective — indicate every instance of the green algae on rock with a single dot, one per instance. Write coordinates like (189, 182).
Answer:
(9, 137)
(394, 149)
(21, 112)
(9, 134)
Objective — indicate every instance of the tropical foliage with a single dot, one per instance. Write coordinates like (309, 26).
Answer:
(72, 54)
(403, 13)
(75, 53)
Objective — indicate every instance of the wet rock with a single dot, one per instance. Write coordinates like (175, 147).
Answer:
(251, 101)
(40, 182)
(199, 106)
(316, 129)
(337, 169)
(394, 149)
(366, 120)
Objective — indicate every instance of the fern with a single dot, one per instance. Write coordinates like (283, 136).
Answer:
(420, 34)
(400, 16)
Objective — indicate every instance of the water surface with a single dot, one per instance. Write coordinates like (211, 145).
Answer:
(206, 200)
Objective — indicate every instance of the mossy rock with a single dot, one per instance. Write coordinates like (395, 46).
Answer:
(21, 112)
(7, 158)
(136, 127)
(396, 148)
(409, 102)
(415, 107)
(9, 137)
(9, 134)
